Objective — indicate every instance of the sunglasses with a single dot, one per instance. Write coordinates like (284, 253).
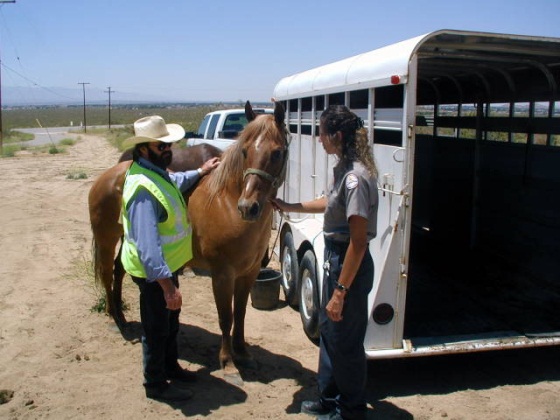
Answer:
(162, 146)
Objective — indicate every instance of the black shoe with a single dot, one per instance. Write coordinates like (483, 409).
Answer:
(168, 392)
(181, 375)
(315, 408)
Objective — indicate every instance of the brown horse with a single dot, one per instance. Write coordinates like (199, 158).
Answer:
(231, 218)
(185, 158)
(105, 200)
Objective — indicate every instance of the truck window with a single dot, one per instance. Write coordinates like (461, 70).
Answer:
(212, 126)
(202, 127)
(233, 125)
(235, 122)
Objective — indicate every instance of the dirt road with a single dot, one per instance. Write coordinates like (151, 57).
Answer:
(63, 361)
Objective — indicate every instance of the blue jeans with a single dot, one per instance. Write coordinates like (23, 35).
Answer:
(342, 372)
(161, 326)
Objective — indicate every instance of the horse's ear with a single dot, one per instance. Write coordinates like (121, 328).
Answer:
(249, 113)
(279, 113)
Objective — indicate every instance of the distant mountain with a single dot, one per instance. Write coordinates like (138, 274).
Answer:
(32, 96)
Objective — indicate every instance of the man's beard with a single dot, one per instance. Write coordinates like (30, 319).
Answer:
(161, 161)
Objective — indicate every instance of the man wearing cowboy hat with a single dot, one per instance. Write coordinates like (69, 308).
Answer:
(156, 245)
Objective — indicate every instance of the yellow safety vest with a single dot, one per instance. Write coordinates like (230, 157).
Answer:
(175, 232)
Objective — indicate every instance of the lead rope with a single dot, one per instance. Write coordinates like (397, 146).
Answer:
(268, 255)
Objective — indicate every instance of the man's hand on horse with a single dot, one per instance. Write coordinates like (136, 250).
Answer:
(209, 166)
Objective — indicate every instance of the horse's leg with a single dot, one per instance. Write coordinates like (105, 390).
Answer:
(241, 296)
(106, 271)
(104, 266)
(118, 275)
(222, 286)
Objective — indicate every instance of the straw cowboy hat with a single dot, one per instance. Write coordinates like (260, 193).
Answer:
(153, 128)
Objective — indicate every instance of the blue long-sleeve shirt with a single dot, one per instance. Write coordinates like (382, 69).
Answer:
(145, 212)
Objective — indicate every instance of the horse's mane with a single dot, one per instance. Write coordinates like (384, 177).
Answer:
(231, 166)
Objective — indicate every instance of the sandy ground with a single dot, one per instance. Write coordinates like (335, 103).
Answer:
(61, 360)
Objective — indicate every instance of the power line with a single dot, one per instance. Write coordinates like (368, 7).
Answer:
(35, 83)
(21, 74)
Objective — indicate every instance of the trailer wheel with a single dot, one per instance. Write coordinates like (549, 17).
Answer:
(290, 270)
(309, 296)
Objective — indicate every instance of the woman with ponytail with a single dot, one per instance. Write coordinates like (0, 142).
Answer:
(350, 222)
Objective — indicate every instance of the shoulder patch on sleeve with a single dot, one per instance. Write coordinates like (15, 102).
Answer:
(351, 181)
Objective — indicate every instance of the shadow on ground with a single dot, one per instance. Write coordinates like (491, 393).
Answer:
(392, 378)
(440, 375)
(201, 347)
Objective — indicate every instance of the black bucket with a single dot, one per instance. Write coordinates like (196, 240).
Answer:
(265, 293)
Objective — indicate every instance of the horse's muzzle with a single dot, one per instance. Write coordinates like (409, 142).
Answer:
(250, 210)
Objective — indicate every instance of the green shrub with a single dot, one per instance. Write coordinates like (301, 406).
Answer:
(77, 175)
(12, 136)
(116, 136)
(67, 142)
(10, 151)
(101, 305)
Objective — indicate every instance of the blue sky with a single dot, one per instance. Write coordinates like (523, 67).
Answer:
(210, 50)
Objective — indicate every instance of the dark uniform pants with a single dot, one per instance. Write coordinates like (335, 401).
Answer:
(161, 326)
(342, 362)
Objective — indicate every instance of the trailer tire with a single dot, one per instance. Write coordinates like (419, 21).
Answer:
(309, 296)
(290, 270)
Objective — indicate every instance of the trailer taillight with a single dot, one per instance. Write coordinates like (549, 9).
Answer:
(395, 79)
(383, 314)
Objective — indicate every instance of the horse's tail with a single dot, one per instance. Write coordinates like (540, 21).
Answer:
(96, 261)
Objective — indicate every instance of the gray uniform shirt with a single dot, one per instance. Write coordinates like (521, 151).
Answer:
(353, 193)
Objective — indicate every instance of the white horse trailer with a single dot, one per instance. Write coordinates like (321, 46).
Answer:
(465, 128)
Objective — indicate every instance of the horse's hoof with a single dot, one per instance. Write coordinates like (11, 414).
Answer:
(233, 378)
(230, 374)
(114, 328)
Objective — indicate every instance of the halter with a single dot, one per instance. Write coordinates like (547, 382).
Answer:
(275, 181)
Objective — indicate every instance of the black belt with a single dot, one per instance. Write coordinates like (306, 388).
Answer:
(337, 246)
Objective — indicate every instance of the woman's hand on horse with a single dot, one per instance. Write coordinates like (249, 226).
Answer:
(210, 165)
(279, 204)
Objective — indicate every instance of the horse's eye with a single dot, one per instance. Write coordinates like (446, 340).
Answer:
(244, 151)
(275, 156)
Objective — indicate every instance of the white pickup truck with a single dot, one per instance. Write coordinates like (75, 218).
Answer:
(221, 128)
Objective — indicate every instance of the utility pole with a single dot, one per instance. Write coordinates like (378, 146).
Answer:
(1, 130)
(84, 89)
(109, 92)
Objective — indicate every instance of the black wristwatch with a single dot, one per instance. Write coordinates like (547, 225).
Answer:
(341, 287)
